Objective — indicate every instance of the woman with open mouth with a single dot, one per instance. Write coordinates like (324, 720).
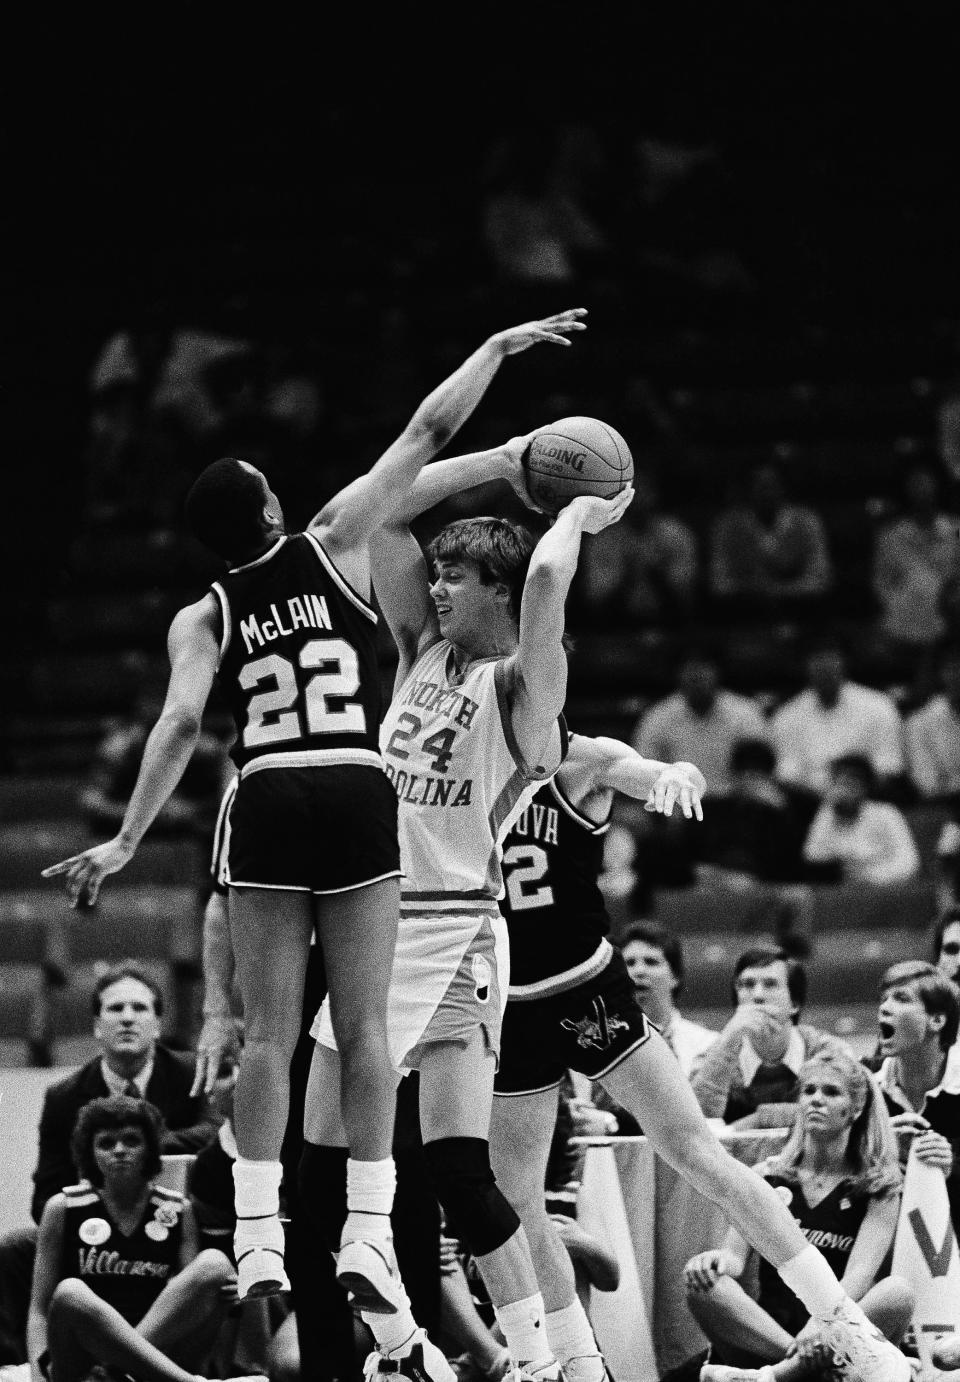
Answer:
(839, 1175)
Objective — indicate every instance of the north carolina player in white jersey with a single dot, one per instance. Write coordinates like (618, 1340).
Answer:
(474, 727)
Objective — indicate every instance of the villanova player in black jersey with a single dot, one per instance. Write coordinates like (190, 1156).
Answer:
(571, 1005)
(290, 633)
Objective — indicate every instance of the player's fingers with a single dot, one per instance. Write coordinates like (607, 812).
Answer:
(63, 867)
(199, 1073)
(684, 802)
(697, 806)
(569, 314)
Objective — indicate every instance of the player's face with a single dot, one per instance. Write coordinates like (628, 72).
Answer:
(948, 961)
(120, 1152)
(765, 986)
(826, 1105)
(649, 972)
(903, 1021)
(466, 606)
(127, 1025)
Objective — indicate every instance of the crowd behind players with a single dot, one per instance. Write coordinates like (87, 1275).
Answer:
(767, 1067)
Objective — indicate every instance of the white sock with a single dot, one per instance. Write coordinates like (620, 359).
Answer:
(256, 1188)
(570, 1334)
(524, 1327)
(811, 1279)
(370, 1190)
(391, 1331)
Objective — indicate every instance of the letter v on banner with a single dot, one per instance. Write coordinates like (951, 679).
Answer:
(925, 1253)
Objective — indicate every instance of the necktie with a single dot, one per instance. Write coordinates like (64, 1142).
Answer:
(130, 1090)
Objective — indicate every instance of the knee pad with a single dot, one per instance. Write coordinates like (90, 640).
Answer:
(322, 1182)
(464, 1183)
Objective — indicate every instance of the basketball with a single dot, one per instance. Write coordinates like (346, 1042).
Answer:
(577, 455)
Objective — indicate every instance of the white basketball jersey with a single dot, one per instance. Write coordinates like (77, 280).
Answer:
(448, 748)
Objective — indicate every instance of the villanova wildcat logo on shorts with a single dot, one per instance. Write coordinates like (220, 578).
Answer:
(596, 1032)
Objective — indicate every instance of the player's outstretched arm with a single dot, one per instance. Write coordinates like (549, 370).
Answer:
(194, 652)
(661, 786)
(538, 670)
(401, 581)
(369, 501)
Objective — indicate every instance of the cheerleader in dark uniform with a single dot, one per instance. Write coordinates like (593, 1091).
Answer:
(119, 1281)
(839, 1176)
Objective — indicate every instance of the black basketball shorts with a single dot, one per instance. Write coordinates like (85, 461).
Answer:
(319, 830)
(589, 1028)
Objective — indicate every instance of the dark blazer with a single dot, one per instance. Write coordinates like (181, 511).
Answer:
(191, 1123)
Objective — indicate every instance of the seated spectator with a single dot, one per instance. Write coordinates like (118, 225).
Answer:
(654, 960)
(832, 716)
(914, 554)
(127, 1008)
(854, 839)
(752, 1069)
(919, 1072)
(933, 733)
(946, 943)
(641, 571)
(838, 1172)
(768, 555)
(751, 841)
(139, 1294)
(700, 722)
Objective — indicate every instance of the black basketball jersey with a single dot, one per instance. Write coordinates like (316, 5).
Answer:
(298, 664)
(127, 1272)
(553, 906)
(831, 1225)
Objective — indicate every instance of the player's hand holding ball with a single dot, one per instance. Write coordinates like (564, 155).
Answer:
(595, 514)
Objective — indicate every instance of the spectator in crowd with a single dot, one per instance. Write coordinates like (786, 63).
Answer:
(127, 1007)
(753, 1067)
(854, 839)
(140, 1295)
(645, 574)
(946, 943)
(700, 722)
(769, 556)
(933, 733)
(838, 1172)
(919, 1074)
(654, 959)
(751, 842)
(831, 716)
(914, 554)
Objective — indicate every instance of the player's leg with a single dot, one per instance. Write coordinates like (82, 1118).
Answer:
(270, 930)
(729, 1316)
(651, 1086)
(357, 930)
(521, 1134)
(456, 1095)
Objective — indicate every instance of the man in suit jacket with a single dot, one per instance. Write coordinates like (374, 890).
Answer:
(127, 1008)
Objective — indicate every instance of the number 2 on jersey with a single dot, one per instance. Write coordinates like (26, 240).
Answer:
(524, 866)
(273, 716)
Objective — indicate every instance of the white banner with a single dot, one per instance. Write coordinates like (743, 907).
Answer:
(925, 1253)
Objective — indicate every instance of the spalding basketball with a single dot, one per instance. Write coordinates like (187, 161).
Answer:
(577, 455)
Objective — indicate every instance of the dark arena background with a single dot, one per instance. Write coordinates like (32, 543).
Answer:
(276, 257)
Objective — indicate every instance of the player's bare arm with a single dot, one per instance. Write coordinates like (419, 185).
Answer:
(598, 765)
(537, 672)
(193, 649)
(401, 580)
(348, 520)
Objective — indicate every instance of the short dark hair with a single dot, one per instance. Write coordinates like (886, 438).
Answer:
(752, 753)
(125, 969)
(651, 933)
(117, 1111)
(758, 956)
(855, 765)
(936, 992)
(224, 508)
(947, 917)
(500, 548)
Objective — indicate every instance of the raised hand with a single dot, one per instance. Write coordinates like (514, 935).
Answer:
(594, 513)
(85, 872)
(550, 331)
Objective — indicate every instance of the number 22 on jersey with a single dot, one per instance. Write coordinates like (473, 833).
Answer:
(291, 709)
